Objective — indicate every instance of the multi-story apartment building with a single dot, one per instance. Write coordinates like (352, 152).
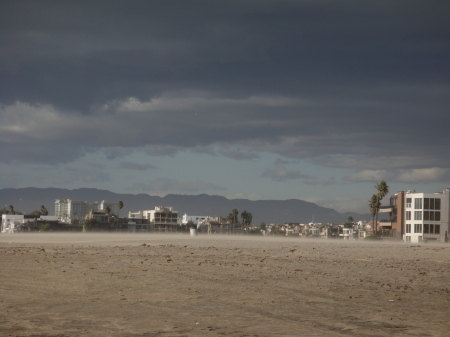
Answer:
(72, 211)
(415, 216)
(162, 219)
(426, 216)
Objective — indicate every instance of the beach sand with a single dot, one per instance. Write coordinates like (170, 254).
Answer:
(75, 284)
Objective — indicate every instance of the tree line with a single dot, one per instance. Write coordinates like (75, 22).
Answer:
(247, 218)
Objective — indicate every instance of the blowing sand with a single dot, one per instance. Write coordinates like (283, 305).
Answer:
(178, 285)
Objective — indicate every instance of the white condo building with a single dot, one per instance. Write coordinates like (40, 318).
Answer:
(161, 218)
(426, 216)
(70, 211)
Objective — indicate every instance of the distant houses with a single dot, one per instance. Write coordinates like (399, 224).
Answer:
(412, 217)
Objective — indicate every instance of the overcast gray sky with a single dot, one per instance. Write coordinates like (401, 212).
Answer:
(313, 100)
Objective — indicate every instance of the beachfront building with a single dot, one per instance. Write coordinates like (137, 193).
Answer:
(133, 225)
(395, 224)
(161, 219)
(220, 225)
(74, 211)
(195, 219)
(138, 214)
(11, 222)
(416, 217)
(426, 216)
(104, 205)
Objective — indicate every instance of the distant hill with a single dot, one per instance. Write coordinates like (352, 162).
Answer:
(270, 211)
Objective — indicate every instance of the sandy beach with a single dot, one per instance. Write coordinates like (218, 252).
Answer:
(176, 285)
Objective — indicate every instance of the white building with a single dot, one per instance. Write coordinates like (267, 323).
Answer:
(196, 219)
(70, 211)
(426, 216)
(136, 215)
(163, 219)
(113, 206)
(11, 222)
(144, 214)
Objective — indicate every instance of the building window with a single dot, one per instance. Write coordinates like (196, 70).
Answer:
(408, 228)
(437, 204)
(408, 215)
(432, 215)
(417, 228)
(417, 215)
(431, 229)
(437, 216)
(408, 202)
(432, 203)
(418, 203)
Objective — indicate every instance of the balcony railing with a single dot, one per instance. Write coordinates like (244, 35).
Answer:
(386, 209)
(385, 222)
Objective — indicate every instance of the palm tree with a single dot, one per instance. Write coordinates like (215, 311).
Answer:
(233, 218)
(11, 209)
(349, 223)
(120, 205)
(246, 219)
(249, 220)
(235, 213)
(374, 205)
(382, 190)
(44, 210)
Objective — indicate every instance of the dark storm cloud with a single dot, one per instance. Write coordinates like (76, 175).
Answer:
(80, 53)
(342, 82)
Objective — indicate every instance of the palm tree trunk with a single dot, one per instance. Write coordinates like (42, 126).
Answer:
(373, 225)
(376, 224)
(376, 216)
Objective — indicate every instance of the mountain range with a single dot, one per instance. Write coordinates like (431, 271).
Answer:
(269, 211)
